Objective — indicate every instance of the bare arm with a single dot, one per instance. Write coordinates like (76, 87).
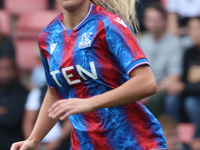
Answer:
(28, 122)
(142, 84)
(43, 124)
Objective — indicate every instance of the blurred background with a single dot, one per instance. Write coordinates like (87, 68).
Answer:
(170, 38)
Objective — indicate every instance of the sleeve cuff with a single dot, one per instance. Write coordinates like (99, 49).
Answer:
(51, 87)
(136, 64)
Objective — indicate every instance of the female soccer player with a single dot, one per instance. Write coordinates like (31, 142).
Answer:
(96, 69)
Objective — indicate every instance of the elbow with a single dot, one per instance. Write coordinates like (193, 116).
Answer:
(152, 87)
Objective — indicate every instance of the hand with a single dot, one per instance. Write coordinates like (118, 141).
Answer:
(24, 145)
(67, 107)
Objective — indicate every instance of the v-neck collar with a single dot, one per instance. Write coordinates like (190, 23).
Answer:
(60, 18)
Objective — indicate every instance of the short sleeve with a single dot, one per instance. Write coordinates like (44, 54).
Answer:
(45, 57)
(123, 45)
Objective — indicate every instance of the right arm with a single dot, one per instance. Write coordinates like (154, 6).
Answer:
(28, 122)
(43, 124)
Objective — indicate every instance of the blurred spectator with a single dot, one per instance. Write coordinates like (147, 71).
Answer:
(189, 99)
(179, 12)
(54, 139)
(6, 46)
(163, 51)
(38, 75)
(169, 127)
(12, 100)
(140, 11)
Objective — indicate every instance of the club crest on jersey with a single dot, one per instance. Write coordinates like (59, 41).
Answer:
(85, 41)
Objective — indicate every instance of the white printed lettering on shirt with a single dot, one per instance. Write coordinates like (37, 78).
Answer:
(80, 71)
(91, 75)
(69, 75)
(53, 73)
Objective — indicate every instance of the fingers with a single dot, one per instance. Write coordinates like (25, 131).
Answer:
(57, 113)
(67, 114)
(64, 108)
(25, 147)
(55, 105)
(58, 109)
(16, 146)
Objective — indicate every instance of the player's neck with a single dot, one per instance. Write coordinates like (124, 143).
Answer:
(73, 18)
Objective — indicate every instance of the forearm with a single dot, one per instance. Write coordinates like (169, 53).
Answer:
(138, 87)
(27, 129)
(43, 124)
(28, 122)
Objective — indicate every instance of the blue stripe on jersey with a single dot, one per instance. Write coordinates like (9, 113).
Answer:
(69, 31)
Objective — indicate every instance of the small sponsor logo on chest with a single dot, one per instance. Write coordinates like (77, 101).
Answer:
(52, 47)
(80, 70)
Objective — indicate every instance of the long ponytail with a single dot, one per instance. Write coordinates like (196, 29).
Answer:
(124, 9)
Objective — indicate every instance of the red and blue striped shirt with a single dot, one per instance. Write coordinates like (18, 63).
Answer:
(98, 56)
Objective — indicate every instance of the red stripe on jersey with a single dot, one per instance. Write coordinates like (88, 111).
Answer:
(96, 132)
(43, 45)
(74, 140)
(110, 76)
(69, 43)
(67, 57)
(141, 126)
(59, 96)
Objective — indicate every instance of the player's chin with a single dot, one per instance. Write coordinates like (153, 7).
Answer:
(69, 5)
(66, 4)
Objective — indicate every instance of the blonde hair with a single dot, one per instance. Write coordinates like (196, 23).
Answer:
(126, 9)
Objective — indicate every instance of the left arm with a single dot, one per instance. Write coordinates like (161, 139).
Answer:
(142, 84)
